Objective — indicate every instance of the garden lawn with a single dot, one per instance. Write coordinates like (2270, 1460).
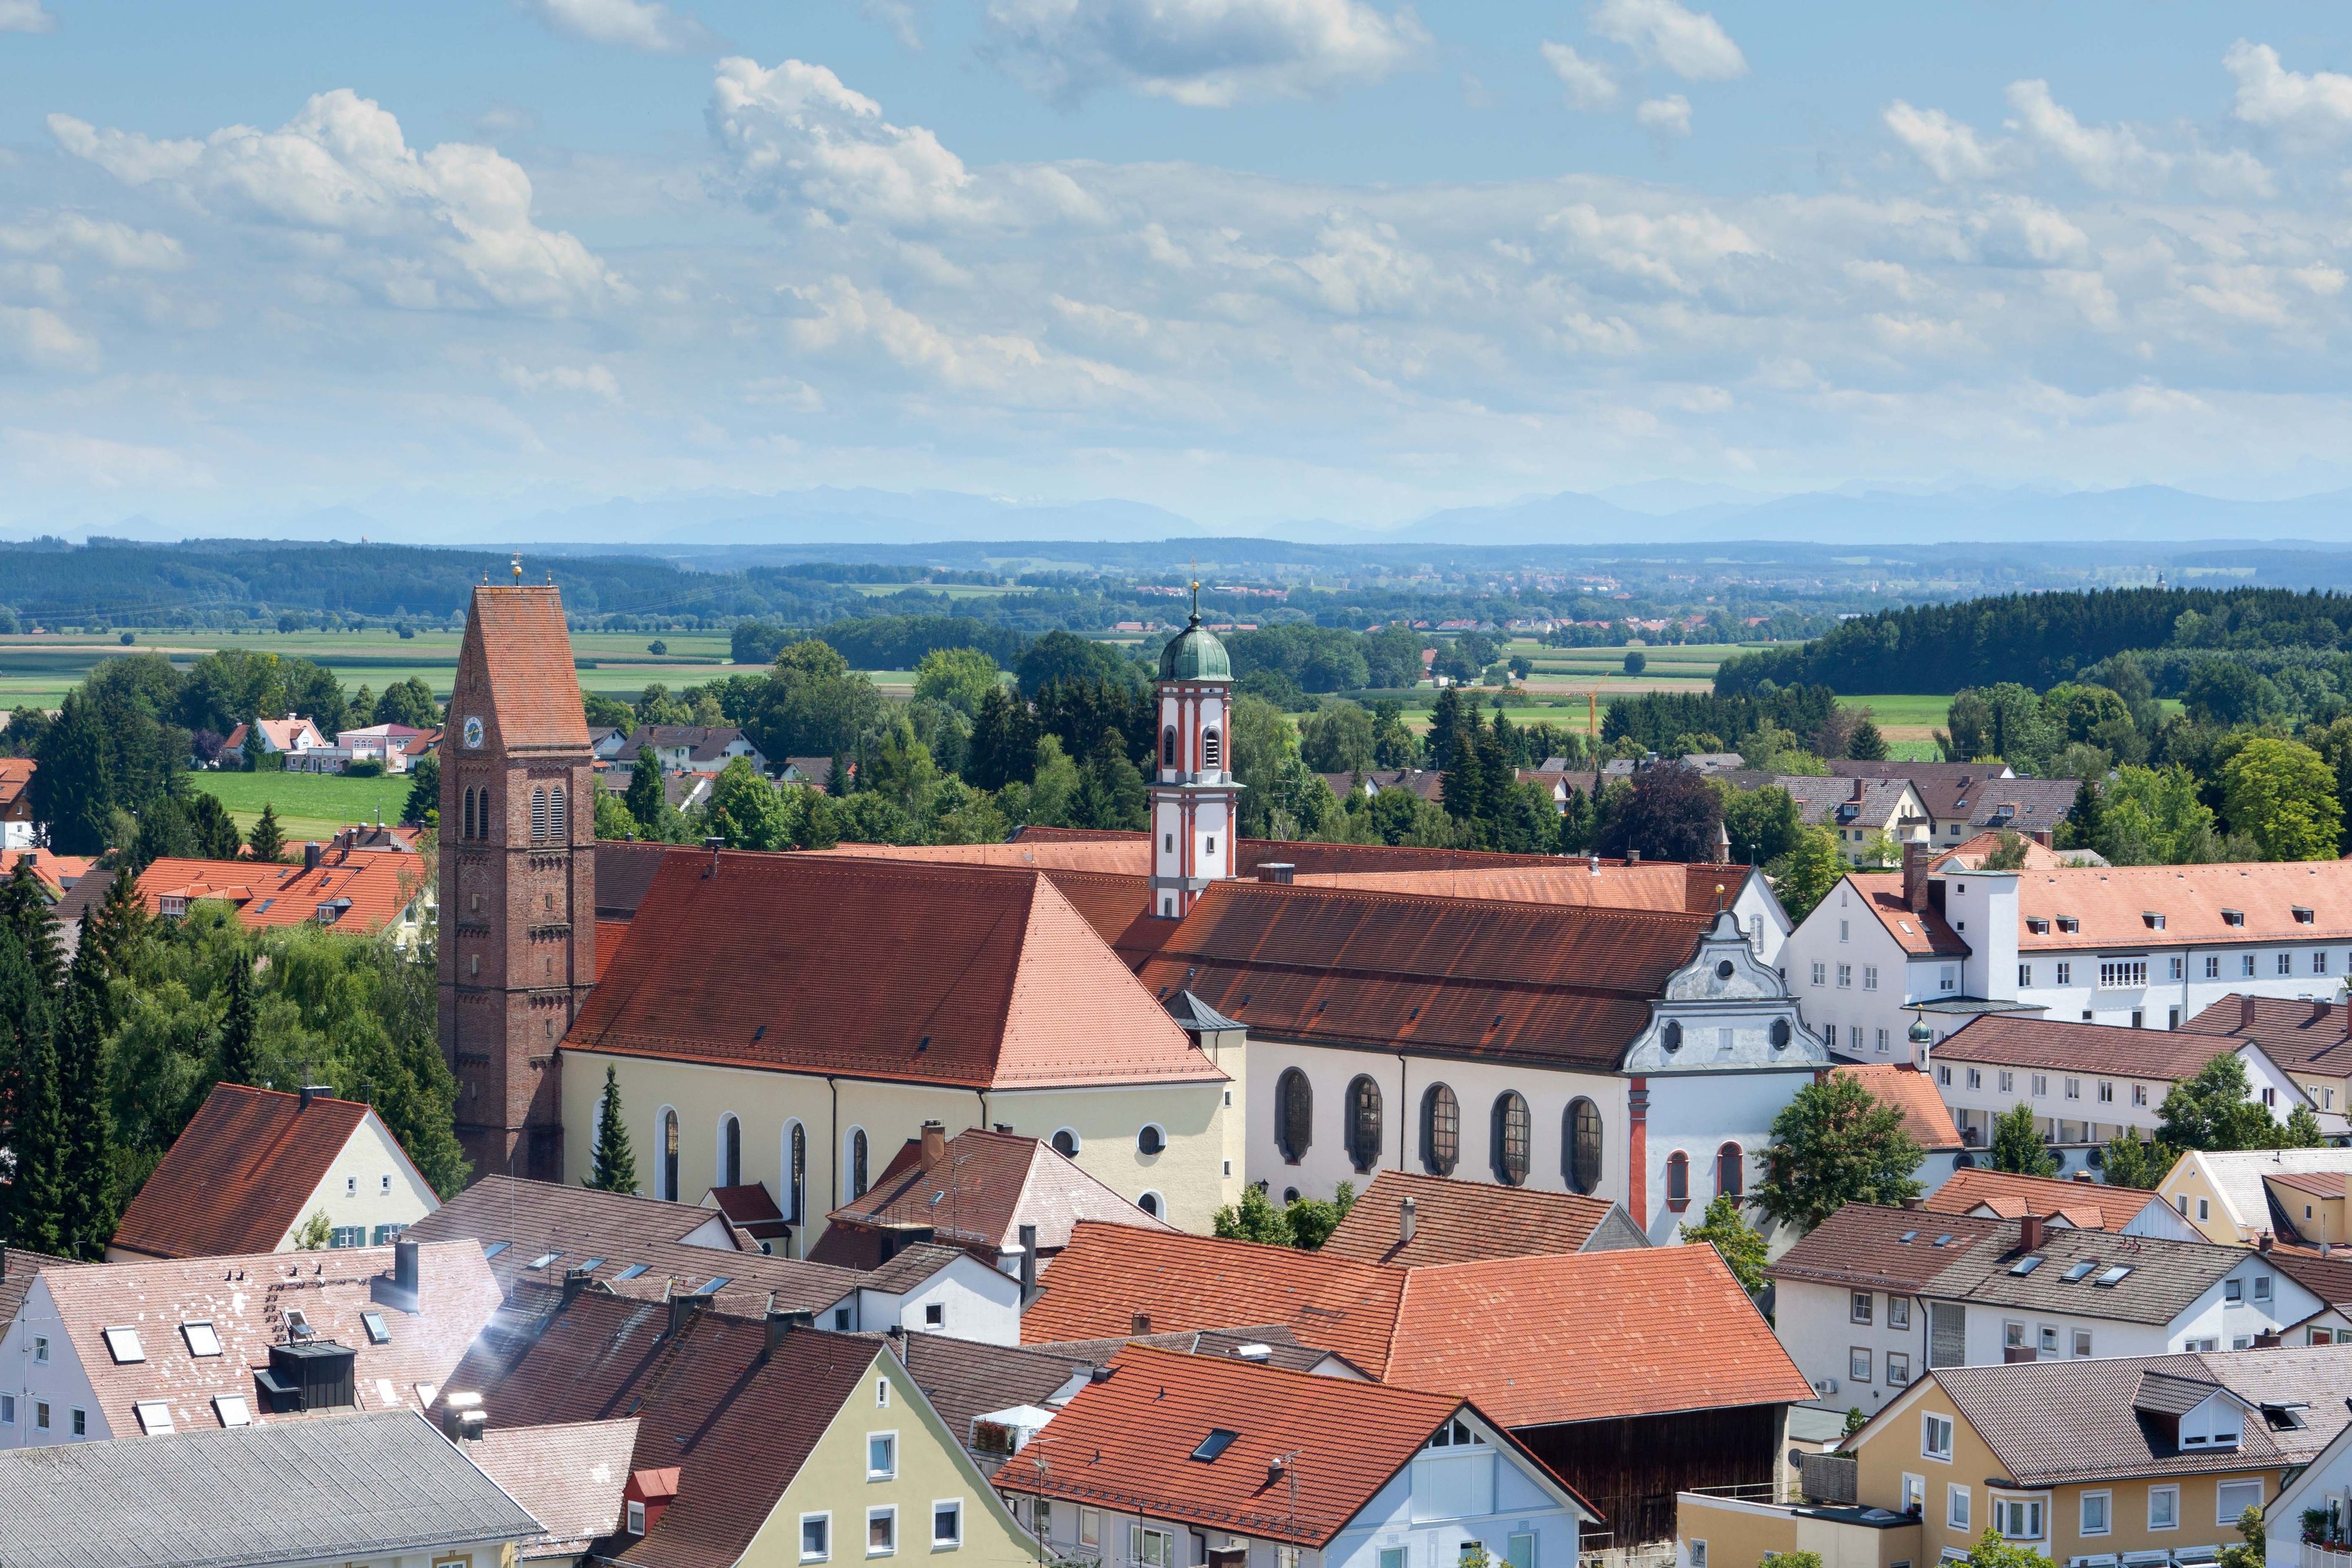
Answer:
(308, 805)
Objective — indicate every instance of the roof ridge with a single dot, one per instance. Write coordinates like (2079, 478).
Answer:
(1447, 901)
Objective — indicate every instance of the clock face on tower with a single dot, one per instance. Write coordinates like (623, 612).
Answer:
(474, 733)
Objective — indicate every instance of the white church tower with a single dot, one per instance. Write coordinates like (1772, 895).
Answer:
(1195, 804)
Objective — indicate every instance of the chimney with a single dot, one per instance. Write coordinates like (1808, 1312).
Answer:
(1140, 1324)
(714, 845)
(2085, 1178)
(935, 1144)
(310, 853)
(1407, 1221)
(404, 1266)
(1276, 871)
(2268, 1340)
(2263, 1242)
(2029, 1232)
(1005, 1128)
(1915, 1204)
(2245, 1010)
(1028, 1234)
(315, 1091)
(462, 1416)
(1857, 791)
(681, 1312)
(779, 1324)
(1915, 876)
(575, 1280)
(1633, 857)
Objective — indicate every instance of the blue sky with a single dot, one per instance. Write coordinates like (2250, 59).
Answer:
(1248, 260)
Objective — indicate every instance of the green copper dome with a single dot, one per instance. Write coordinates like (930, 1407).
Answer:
(1193, 655)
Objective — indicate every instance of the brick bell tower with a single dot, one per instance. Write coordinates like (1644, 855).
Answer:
(1195, 804)
(518, 888)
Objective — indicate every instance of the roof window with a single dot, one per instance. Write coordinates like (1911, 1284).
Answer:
(631, 1271)
(202, 1337)
(2082, 1271)
(543, 1261)
(2233, 917)
(2114, 1276)
(154, 1417)
(715, 1284)
(2027, 1264)
(378, 1332)
(1215, 1443)
(2303, 916)
(123, 1345)
(2154, 921)
(2069, 923)
(2038, 924)
(1943, 1240)
(231, 1409)
(1907, 1238)
(494, 1249)
(590, 1265)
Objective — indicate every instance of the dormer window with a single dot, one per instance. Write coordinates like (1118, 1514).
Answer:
(2154, 921)
(2038, 924)
(2069, 925)
(2303, 916)
(2233, 917)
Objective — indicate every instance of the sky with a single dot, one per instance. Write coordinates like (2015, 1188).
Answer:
(446, 264)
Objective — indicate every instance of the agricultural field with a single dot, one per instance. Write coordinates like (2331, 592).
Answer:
(308, 805)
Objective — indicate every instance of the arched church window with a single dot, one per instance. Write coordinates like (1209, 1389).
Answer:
(796, 1174)
(1582, 1138)
(1513, 1132)
(857, 1147)
(1363, 1123)
(1441, 1130)
(730, 1152)
(1212, 750)
(1731, 1171)
(1168, 747)
(1293, 1115)
(669, 1156)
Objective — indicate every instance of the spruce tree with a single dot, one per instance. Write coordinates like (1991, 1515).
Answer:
(837, 782)
(1464, 784)
(267, 840)
(614, 1168)
(37, 1200)
(87, 1122)
(119, 925)
(238, 1052)
(644, 798)
(24, 908)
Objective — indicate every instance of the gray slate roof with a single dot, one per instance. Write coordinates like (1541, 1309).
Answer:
(2103, 1436)
(283, 1491)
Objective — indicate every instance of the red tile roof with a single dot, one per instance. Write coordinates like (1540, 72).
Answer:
(237, 1176)
(2010, 1195)
(969, 976)
(2109, 901)
(1925, 1115)
(1521, 1336)
(1127, 1443)
(1462, 1221)
(2307, 1036)
(531, 700)
(569, 1476)
(986, 1186)
(1458, 976)
(16, 778)
(367, 890)
(2016, 1040)
(55, 872)
(1914, 931)
(1657, 886)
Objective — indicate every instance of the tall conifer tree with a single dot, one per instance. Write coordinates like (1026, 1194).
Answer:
(237, 1051)
(615, 1167)
(86, 1211)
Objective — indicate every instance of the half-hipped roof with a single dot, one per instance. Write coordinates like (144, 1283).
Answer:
(238, 1175)
(2004, 1195)
(976, 1191)
(1463, 1222)
(975, 977)
(1134, 1442)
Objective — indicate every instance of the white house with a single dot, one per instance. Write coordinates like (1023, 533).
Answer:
(2085, 1082)
(2309, 1523)
(2145, 946)
(930, 1289)
(1175, 1459)
(1863, 813)
(1876, 1295)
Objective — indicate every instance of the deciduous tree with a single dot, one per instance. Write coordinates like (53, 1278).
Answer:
(2018, 1147)
(1726, 1229)
(1834, 1144)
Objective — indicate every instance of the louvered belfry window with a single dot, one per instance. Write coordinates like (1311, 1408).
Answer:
(539, 816)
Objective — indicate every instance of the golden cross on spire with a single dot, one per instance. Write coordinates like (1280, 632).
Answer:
(517, 568)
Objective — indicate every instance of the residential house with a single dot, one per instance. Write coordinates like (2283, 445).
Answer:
(1965, 799)
(281, 737)
(690, 747)
(369, 892)
(1008, 1200)
(2080, 1201)
(2309, 1523)
(2242, 1196)
(379, 1488)
(396, 745)
(124, 1350)
(815, 772)
(569, 1476)
(1409, 1218)
(1865, 814)
(2144, 1460)
(1971, 855)
(18, 1266)
(604, 742)
(760, 1439)
(1875, 1295)
(1174, 1458)
(545, 1240)
(2310, 1037)
(2085, 1082)
(1585, 1357)
(2144, 946)
(256, 1167)
(683, 791)
(1925, 1117)
(17, 828)
(2327, 1274)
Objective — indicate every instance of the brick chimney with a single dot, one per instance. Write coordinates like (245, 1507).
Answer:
(1916, 857)
(1140, 1324)
(2011, 1354)
(1857, 791)
(935, 1144)
(2029, 1232)
(2268, 1340)
(2245, 1010)
(311, 852)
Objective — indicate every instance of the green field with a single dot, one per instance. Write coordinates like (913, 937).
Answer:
(956, 590)
(308, 805)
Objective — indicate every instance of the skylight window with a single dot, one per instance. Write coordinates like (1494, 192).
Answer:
(154, 1417)
(631, 1271)
(124, 1346)
(232, 1410)
(202, 1339)
(494, 1249)
(2082, 1271)
(1215, 1443)
(715, 1284)
(378, 1332)
(2027, 1264)
(2114, 1276)
(1907, 1238)
(1943, 1240)
(590, 1266)
(543, 1261)
(297, 1326)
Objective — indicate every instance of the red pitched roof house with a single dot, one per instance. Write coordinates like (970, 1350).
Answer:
(2081, 1203)
(1168, 1444)
(254, 1166)
(366, 891)
(291, 734)
(1585, 1356)
(17, 828)
(1409, 1219)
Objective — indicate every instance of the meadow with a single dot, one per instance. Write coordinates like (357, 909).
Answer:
(308, 805)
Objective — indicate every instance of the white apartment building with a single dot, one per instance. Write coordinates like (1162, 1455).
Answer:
(2140, 946)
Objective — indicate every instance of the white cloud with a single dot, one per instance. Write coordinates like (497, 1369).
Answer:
(2233, 175)
(1590, 84)
(446, 228)
(26, 16)
(112, 244)
(1668, 116)
(2307, 108)
(1208, 54)
(594, 380)
(2111, 157)
(631, 23)
(795, 137)
(1691, 44)
(36, 338)
(1950, 149)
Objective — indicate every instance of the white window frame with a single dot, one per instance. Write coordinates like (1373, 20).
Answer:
(1928, 1421)
(1956, 1506)
(2221, 1516)
(1898, 1369)
(2038, 1512)
(1898, 1311)
(154, 1417)
(882, 1511)
(891, 1472)
(634, 1518)
(822, 1517)
(2172, 1492)
(2107, 1506)
(1915, 1491)
(122, 1343)
(1860, 1306)
(199, 1333)
(947, 1505)
(1857, 1363)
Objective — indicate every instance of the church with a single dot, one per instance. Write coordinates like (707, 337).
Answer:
(1181, 1011)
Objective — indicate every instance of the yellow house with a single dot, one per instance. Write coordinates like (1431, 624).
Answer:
(2235, 1198)
(2138, 1460)
(794, 1019)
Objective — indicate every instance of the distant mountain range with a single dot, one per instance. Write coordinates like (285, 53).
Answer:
(1660, 511)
